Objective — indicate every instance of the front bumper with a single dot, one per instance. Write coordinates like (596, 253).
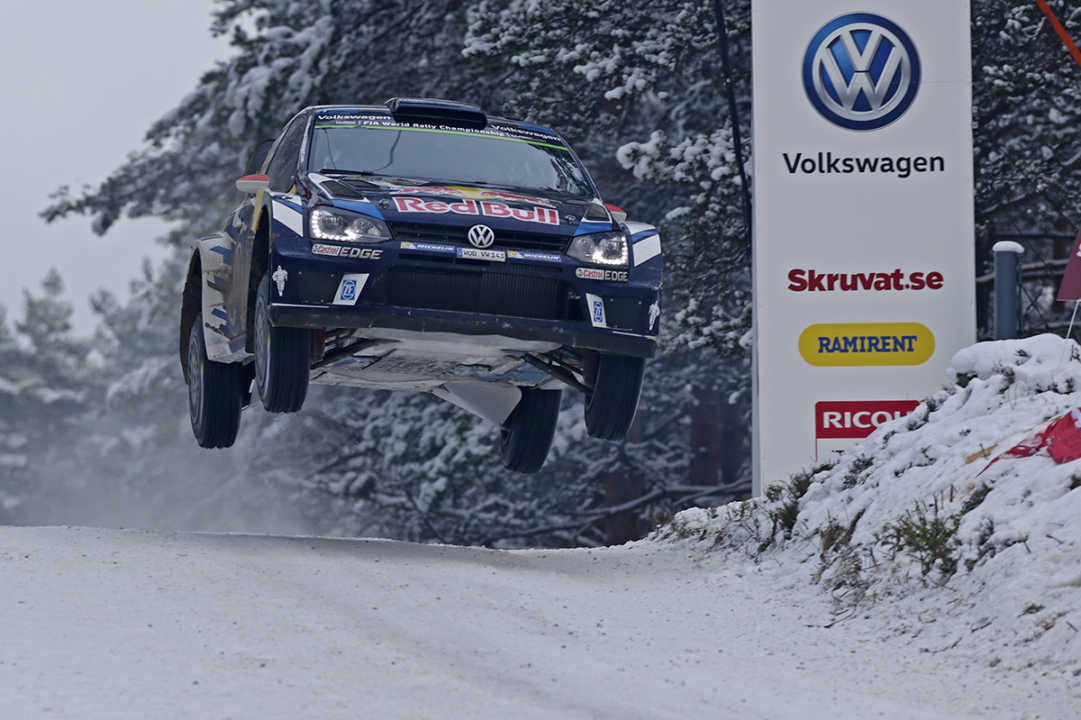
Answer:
(425, 320)
(524, 298)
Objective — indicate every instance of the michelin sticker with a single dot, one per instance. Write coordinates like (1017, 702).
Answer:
(279, 277)
(534, 256)
(427, 247)
(349, 288)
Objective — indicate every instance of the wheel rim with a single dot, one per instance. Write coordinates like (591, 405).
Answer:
(262, 343)
(195, 377)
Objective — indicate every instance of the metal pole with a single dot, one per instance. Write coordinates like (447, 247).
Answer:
(1007, 254)
(730, 92)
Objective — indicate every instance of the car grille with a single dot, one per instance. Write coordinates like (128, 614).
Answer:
(423, 232)
(492, 293)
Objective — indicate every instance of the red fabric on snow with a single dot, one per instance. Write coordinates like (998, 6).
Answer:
(1064, 437)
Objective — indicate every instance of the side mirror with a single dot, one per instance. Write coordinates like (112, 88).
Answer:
(618, 214)
(252, 184)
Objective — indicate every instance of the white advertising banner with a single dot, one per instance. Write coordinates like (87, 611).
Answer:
(864, 282)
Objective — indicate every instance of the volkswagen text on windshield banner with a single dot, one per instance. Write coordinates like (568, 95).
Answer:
(863, 264)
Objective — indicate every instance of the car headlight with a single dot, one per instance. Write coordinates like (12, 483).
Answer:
(344, 226)
(607, 248)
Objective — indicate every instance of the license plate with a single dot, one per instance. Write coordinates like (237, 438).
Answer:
(478, 254)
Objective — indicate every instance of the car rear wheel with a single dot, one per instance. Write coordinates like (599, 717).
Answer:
(215, 392)
(282, 358)
(611, 407)
(528, 432)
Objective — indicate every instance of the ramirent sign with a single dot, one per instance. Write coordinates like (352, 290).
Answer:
(863, 251)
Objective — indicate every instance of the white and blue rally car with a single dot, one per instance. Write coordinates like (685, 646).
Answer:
(422, 245)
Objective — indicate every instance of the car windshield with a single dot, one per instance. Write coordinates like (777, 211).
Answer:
(501, 155)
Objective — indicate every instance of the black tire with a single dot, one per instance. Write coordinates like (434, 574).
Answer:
(527, 434)
(611, 407)
(214, 393)
(283, 358)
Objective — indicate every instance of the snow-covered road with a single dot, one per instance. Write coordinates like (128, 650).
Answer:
(119, 624)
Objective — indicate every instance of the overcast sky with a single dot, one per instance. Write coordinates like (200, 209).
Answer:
(81, 83)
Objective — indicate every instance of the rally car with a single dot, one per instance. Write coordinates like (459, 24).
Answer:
(422, 245)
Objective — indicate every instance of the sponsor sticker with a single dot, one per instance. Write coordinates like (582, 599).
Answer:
(279, 277)
(534, 256)
(349, 288)
(866, 344)
(362, 253)
(328, 250)
(811, 280)
(347, 252)
(428, 247)
(596, 310)
(598, 274)
(857, 419)
(654, 314)
(359, 120)
(478, 208)
(478, 254)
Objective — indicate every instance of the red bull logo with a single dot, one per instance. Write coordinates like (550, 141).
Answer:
(485, 208)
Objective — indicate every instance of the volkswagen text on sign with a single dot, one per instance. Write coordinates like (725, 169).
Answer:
(863, 264)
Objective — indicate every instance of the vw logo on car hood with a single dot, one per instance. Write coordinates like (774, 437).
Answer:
(481, 236)
(861, 71)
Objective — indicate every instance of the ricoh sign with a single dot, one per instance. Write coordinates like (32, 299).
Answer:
(863, 248)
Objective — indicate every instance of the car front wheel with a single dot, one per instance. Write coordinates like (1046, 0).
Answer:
(611, 406)
(215, 393)
(282, 358)
(528, 432)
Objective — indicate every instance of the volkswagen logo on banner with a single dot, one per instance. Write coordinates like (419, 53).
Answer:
(861, 71)
(481, 236)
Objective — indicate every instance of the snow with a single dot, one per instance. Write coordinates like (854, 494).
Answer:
(1002, 588)
(810, 603)
(123, 624)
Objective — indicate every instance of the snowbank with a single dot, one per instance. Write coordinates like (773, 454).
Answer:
(904, 527)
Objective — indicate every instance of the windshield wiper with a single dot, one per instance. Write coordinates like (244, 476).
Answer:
(359, 174)
(521, 188)
(343, 171)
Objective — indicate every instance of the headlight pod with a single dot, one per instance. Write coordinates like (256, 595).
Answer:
(344, 226)
(606, 248)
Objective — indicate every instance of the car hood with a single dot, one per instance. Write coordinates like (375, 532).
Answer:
(465, 206)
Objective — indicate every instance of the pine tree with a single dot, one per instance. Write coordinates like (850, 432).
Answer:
(14, 481)
(46, 385)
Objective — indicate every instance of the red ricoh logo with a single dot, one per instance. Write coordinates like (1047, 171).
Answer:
(857, 419)
(809, 280)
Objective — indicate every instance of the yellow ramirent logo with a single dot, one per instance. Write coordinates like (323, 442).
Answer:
(866, 344)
